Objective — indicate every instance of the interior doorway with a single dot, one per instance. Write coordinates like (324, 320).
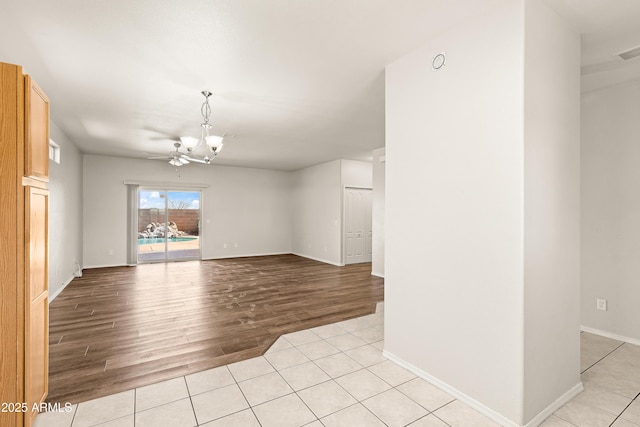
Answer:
(358, 225)
(168, 225)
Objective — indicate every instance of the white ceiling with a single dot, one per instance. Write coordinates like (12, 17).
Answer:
(298, 82)
(608, 27)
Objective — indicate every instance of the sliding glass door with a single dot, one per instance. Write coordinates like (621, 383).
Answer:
(168, 225)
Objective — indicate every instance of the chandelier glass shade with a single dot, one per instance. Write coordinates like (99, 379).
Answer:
(191, 144)
(186, 147)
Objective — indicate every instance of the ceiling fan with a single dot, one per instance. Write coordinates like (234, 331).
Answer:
(178, 158)
(213, 142)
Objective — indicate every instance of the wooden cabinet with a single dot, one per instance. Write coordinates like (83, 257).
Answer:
(24, 221)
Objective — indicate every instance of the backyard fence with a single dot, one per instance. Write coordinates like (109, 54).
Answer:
(186, 219)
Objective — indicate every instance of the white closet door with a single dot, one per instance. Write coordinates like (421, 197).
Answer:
(358, 225)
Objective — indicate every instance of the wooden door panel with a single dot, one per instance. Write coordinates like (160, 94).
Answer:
(37, 357)
(37, 241)
(37, 295)
(36, 131)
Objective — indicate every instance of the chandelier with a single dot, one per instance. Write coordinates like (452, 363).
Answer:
(191, 144)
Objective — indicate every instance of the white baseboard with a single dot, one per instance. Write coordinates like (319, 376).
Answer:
(557, 404)
(373, 273)
(319, 259)
(105, 266)
(484, 410)
(244, 256)
(611, 335)
(452, 391)
(57, 291)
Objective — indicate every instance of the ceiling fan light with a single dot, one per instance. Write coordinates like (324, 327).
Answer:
(189, 142)
(214, 142)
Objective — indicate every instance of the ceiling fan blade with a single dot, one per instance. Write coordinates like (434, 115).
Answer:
(164, 138)
(159, 158)
(192, 159)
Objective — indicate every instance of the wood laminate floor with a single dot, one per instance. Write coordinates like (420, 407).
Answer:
(119, 328)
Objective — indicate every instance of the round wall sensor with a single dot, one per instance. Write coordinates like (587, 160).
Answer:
(438, 61)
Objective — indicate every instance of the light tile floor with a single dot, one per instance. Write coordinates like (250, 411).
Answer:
(335, 376)
(611, 379)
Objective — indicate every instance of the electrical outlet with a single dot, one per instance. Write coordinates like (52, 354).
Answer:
(110, 251)
(601, 304)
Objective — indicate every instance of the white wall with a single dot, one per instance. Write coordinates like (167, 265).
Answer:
(262, 211)
(459, 211)
(65, 212)
(355, 173)
(317, 207)
(454, 235)
(611, 209)
(377, 263)
(243, 206)
(552, 208)
(316, 212)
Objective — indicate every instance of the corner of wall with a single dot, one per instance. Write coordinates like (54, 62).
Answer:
(65, 217)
